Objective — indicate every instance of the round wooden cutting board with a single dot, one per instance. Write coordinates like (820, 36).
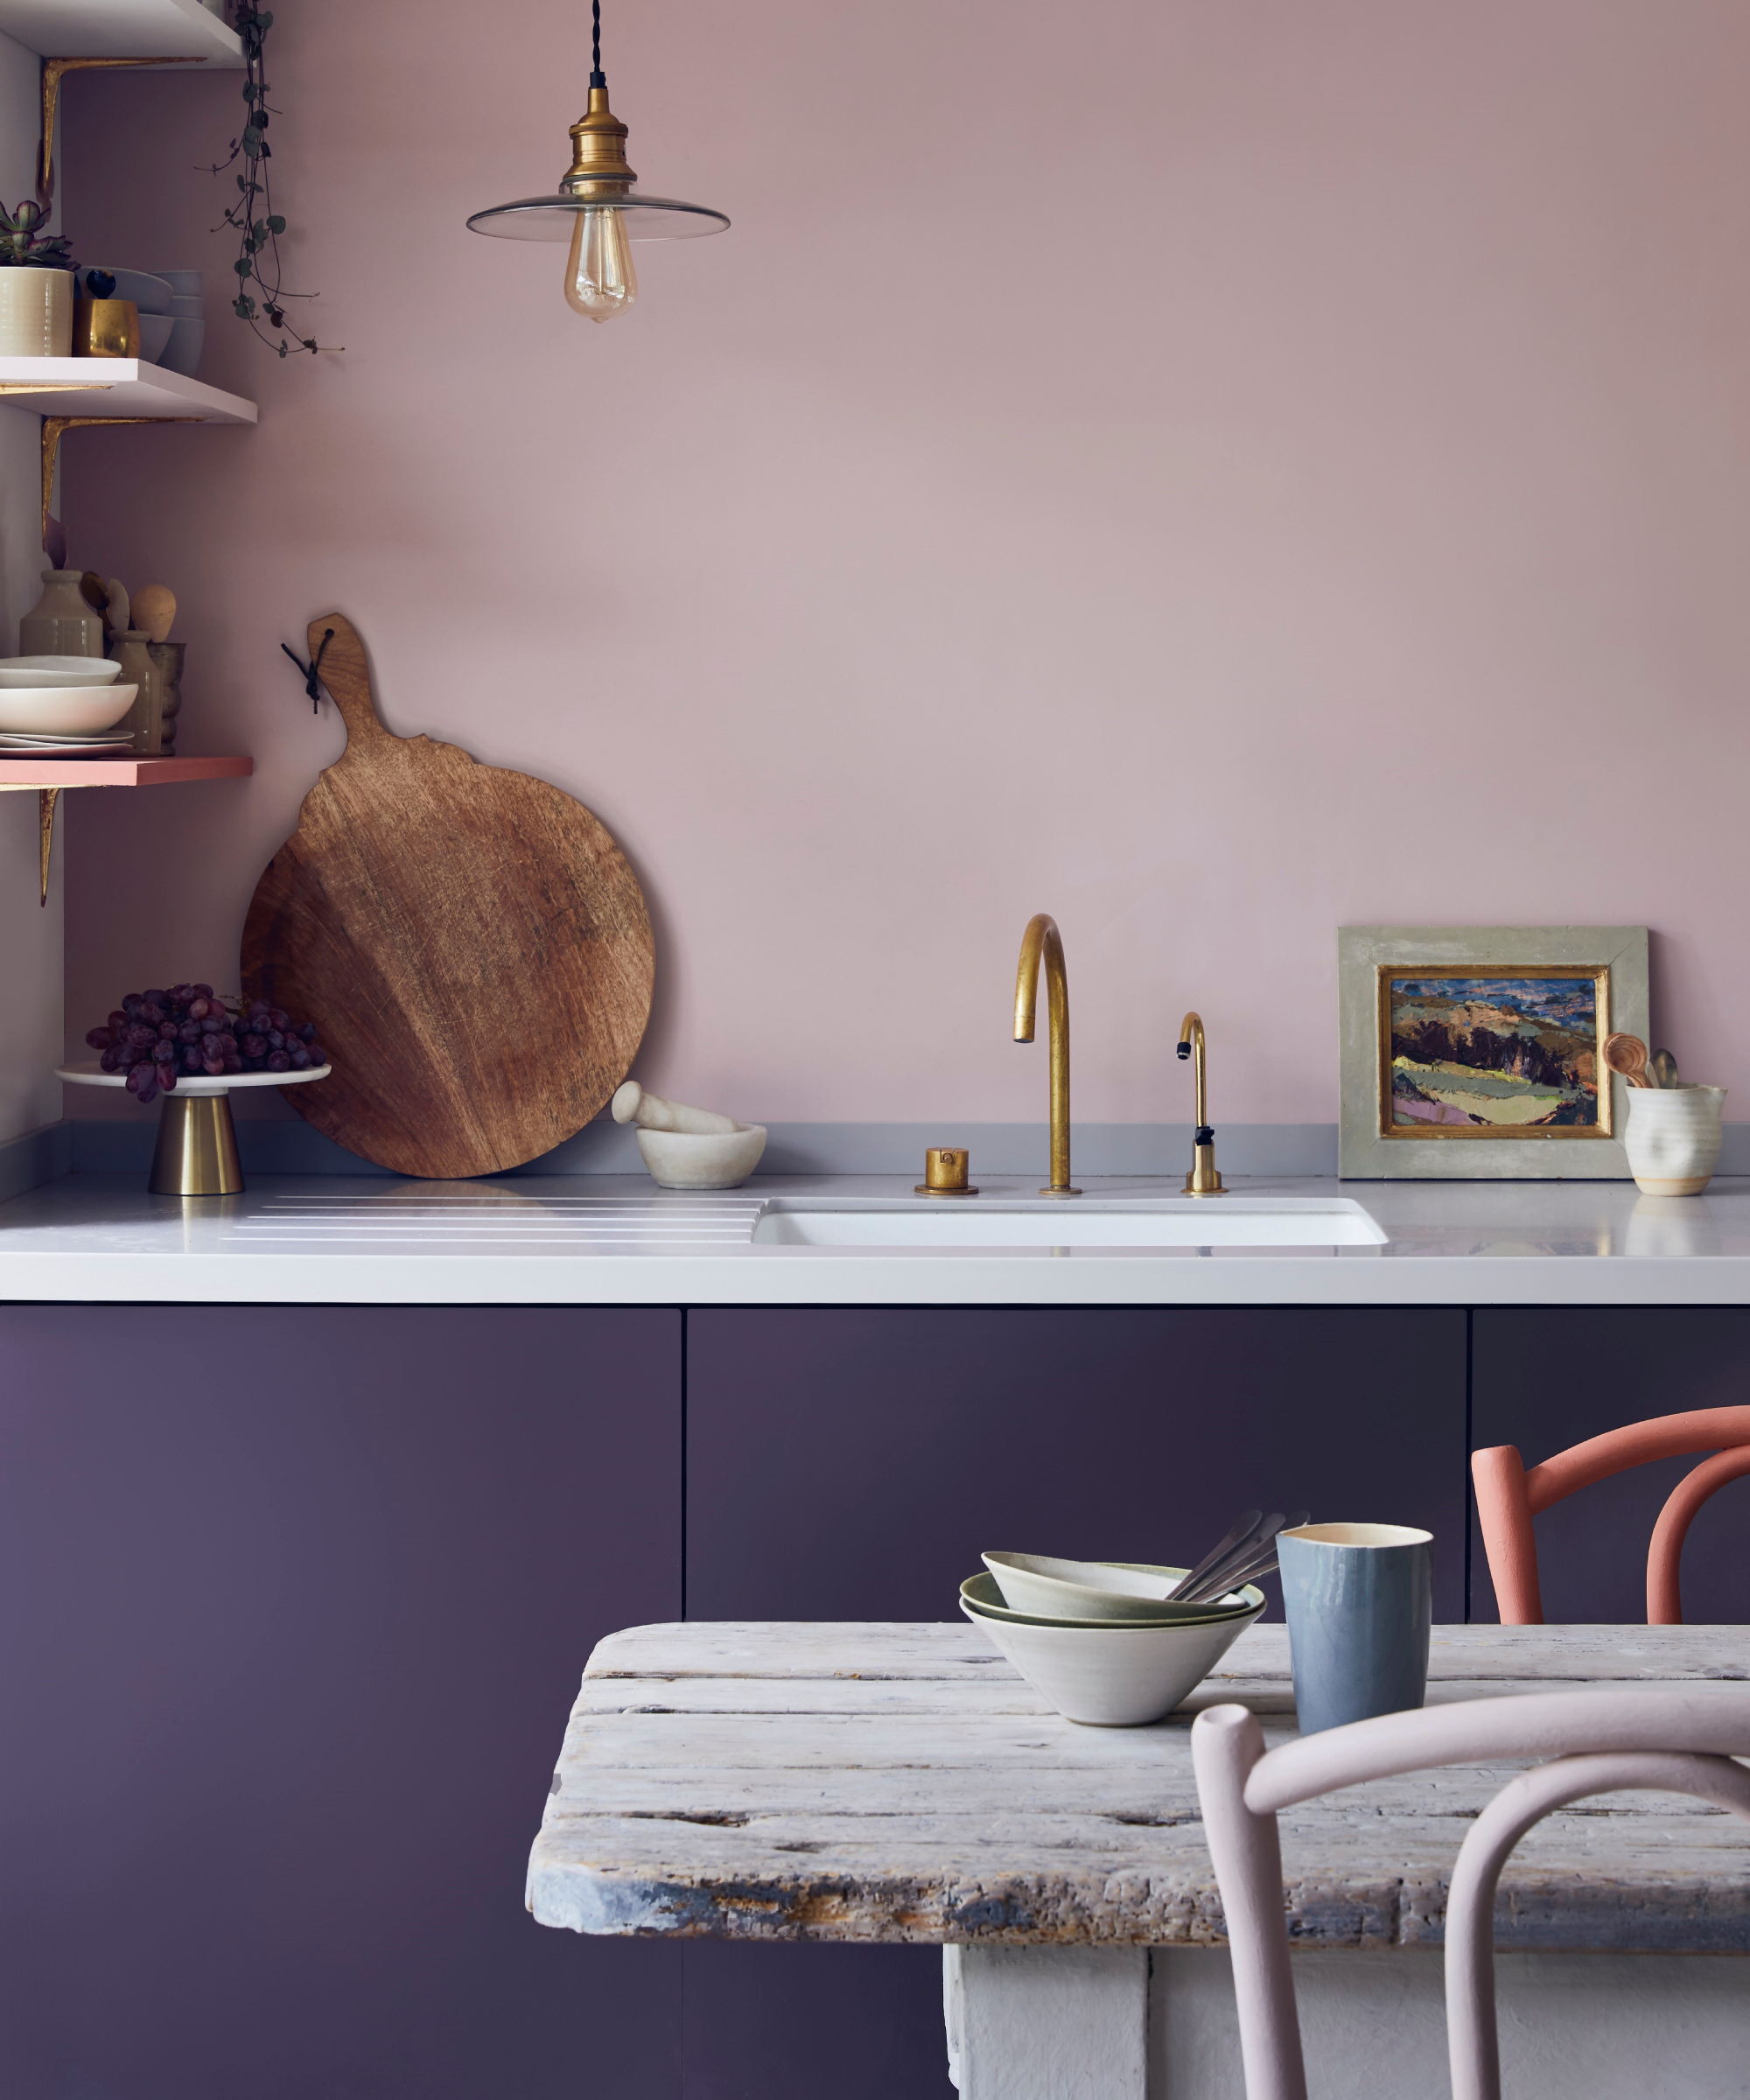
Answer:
(471, 943)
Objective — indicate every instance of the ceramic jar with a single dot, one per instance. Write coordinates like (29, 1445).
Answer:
(60, 623)
(167, 658)
(36, 312)
(143, 723)
(1672, 1138)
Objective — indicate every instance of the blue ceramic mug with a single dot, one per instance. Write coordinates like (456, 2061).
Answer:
(1359, 1599)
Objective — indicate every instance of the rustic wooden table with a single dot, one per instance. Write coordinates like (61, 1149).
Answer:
(900, 1783)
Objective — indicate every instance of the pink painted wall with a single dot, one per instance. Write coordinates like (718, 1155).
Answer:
(1213, 472)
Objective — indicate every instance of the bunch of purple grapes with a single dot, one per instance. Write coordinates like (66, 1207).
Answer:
(190, 1030)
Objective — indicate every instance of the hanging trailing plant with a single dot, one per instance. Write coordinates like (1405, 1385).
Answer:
(260, 295)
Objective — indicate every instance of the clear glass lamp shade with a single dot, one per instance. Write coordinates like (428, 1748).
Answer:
(554, 217)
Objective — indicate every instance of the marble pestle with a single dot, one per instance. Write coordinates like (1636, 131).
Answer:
(651, 1112)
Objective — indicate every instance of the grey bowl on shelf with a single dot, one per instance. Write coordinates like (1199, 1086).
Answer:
(187, 306)
(150, 294)
(182, 352)
(185, 284)
(155, 333)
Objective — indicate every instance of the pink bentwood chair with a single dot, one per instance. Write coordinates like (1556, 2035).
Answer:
(1509, 1497)
(1677, 1739)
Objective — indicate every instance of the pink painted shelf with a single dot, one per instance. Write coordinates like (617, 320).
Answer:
(117, 772)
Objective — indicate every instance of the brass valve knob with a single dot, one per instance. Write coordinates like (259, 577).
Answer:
(945, 1172)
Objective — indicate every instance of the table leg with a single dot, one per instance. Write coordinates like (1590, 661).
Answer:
(1046, 2023)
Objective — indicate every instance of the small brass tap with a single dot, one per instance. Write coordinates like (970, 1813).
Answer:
(1042, 941)
(1203, 1180)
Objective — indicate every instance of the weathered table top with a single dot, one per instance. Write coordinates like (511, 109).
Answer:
(901, 1782)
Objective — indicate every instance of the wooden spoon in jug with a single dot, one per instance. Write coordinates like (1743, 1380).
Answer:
(1627, 1054)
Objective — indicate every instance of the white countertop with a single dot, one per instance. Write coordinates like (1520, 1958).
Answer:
(600, 1239)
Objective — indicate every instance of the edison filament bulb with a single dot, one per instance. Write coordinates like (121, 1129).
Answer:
(600, 280)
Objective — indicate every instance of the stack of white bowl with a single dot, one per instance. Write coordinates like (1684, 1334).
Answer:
(172, 314)
(1100, 1639)
(63, 706)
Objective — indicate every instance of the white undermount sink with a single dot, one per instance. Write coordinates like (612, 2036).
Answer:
(1070, 1221)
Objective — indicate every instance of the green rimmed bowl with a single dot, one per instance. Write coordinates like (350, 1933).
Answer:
(1103, 1590)
(982, 1594)
(1122, 1675)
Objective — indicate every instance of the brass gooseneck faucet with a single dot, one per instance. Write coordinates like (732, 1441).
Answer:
(1042, 942)
(1203, 1180)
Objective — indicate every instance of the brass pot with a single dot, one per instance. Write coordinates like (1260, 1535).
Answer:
(106, 328)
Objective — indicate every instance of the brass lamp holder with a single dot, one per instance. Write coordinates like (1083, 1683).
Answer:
(599, 169)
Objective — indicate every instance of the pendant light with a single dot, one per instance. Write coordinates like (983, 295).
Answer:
(597, 210)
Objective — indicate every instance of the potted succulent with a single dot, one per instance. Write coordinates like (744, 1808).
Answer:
(36, 286)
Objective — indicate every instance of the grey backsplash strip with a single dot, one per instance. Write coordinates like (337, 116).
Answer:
(607, 1147)
(1153, 1149)
(35, 1158)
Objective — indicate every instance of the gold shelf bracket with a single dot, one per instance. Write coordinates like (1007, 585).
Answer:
(53, 71)
(46, 800)
(55, 427)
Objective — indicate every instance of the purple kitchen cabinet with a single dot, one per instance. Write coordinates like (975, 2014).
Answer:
(1544, 1377)
(293, 1603)
(852, 1464)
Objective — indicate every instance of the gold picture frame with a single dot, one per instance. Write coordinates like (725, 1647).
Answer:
(1526, 1120)
(1607, 963)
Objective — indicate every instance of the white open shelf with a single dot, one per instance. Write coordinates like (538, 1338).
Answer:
(114, 386)
(121, 29)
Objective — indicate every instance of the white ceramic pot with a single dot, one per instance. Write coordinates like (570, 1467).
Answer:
(1672, 1138)
(690, 1159)
(36, 312)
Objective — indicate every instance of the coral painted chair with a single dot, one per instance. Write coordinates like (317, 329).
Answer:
(1509, 1497)
(1665, 1739)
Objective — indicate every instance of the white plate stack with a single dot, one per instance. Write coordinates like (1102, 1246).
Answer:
(99, 745)
(63, 707)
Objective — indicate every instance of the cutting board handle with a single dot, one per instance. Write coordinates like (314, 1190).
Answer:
(346, 670)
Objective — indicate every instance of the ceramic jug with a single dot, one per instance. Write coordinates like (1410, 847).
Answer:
(60, 623)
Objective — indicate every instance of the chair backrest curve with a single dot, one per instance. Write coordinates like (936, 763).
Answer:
(1701, 1718)
(1634, 1444)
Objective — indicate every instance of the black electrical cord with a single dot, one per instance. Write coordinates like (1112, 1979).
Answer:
(598, 78)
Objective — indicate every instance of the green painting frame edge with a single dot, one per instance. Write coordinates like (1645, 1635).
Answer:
(1363, 1154)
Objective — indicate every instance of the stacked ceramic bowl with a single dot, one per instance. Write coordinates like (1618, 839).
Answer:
(187, 320)
(172, 308)
(1100, 1640)
(62, 706)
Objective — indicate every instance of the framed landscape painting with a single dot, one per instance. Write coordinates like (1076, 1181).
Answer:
(1477, 1051)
